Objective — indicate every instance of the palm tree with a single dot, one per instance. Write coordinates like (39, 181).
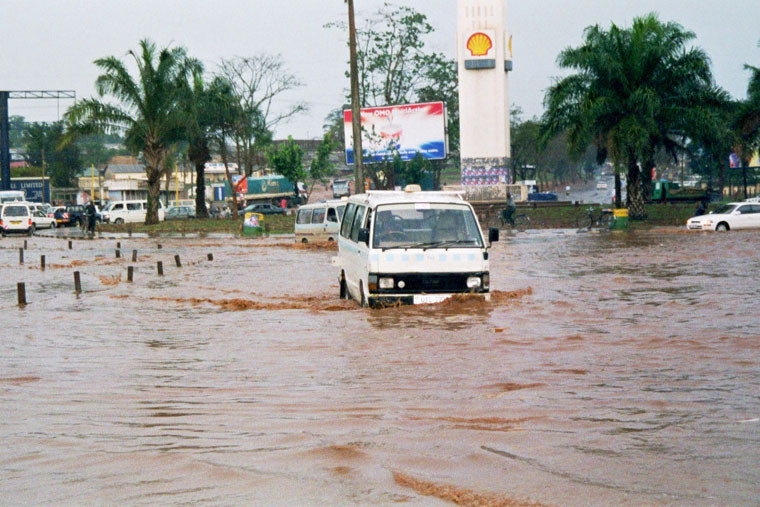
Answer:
(636, 91)
(146, 107)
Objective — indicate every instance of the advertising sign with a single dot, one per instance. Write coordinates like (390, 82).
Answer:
(32, 188)
(479, 50)
(252, 226)
(403, 130)
(735, 162)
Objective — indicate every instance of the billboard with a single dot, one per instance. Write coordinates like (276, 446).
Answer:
(404, 130)
(33, 188)
(734, 162)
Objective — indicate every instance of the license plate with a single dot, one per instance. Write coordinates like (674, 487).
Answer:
(429, 299)
(15, 222)
(695, 226)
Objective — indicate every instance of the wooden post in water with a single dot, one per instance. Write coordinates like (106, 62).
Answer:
(177, 261)
(160, 267)
(20, 255)
(69, 244)
(42, 262)
(77, 283)
(130, 274)
(211, 257)
(118, 245)
(21, 293)
(24, 244)
(118, 253)
(159, 246)
(134, 255)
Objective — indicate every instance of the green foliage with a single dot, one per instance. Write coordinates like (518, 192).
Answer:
(634, 91)
(321, 166)
(287, 159)
(146, 107)
(61, 163)
(16, 126)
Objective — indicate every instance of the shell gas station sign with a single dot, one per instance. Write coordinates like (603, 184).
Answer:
(479, 49)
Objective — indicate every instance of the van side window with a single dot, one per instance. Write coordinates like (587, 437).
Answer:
(358, 220)
(304, 216)
(118, 207)
(348, 220)
(332, 216)
(134, 206)
(341, 210)
(319, 216)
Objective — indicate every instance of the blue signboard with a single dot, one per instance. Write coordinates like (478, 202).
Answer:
(32, 188)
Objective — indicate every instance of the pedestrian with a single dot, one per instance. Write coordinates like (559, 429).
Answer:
(91, 217)
(509, 211)
(701, 208)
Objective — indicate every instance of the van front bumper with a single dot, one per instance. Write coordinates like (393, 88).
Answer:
(384, 301)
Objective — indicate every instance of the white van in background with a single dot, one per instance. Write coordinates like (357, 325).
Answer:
(12, 195)
(411, 247)
(319, 222)
(121, 212)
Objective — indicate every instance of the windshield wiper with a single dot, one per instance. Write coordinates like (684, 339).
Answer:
(429, 245)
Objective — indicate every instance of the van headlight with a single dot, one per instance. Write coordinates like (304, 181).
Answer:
(386, 283)
(473, 282)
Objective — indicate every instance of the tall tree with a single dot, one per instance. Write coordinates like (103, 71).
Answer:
(42, 140)
(321, 166)
(287, 159)
(259, 83)
(635, 90)
(146, 107)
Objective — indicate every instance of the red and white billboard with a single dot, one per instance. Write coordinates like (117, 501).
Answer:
(399, 130)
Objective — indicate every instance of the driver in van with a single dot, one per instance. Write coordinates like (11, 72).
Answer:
(388, 226)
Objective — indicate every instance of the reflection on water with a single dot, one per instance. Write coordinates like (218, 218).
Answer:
(608, 368)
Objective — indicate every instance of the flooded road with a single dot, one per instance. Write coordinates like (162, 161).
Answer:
(609, 369)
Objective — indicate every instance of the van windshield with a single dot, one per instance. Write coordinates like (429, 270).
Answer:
(425, 225)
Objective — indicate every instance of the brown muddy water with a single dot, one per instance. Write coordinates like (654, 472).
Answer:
(609, 369)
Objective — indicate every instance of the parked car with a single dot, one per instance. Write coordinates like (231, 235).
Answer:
(76, 214)
(735, 215)
(264, 209)
(42, 220)
(16, 217)
(179, 212)
(60, 215)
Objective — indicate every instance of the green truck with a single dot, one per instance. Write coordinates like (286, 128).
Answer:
(670, 191)
(271, 189)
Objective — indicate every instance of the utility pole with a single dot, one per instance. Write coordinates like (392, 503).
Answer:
(44, 163)
(356, 119)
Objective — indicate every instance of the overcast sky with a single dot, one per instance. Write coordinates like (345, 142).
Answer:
(51, 44)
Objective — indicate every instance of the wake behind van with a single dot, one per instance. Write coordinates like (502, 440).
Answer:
(120, 212)
(319, 222)
(411, 247)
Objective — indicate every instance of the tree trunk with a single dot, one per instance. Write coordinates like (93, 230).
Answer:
(618, 189)
(636, 209)
(154, 190)
(646, 179)
(200, 191)
(229, 179)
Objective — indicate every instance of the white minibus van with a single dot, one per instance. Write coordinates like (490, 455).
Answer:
(411, 247)
(119, 212)
(319, 222)
(12, 195)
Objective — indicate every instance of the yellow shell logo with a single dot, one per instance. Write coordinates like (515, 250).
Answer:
(479, 44)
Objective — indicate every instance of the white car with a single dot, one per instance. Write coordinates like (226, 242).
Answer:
(42, 220)
(735, 215)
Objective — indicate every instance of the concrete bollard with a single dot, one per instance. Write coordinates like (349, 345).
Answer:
(134, 255)
(20, 255)
(77, 283)
(177, 261)
(130, 274)
(42, 262)
(118, 245)
(21, 293)
(160, 267)
(129, 230)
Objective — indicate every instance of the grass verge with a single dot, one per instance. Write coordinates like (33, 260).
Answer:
(275, 224)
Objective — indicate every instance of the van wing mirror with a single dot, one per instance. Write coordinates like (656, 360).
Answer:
(493, 235)
(364, 236)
